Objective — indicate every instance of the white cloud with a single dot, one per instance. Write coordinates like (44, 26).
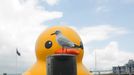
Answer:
(107, 57)
(52, 2)
(102, 9)
(100, 32)
(20, 25)
(101, 6)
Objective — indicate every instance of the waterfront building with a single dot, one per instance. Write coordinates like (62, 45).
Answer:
(126, 69)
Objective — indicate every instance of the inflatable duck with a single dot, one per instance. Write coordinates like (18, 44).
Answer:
(47, 45)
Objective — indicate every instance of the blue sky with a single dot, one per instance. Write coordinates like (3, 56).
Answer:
(105, 26)
(94, 12)
(118, 13)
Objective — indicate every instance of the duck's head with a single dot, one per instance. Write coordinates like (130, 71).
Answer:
(46, 44)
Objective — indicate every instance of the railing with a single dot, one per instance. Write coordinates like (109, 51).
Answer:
(10, 74)
(102, 72)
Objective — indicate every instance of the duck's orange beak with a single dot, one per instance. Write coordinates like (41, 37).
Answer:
(68, 51)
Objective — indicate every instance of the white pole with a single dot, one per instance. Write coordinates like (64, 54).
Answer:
(95, 61)
(16, 63)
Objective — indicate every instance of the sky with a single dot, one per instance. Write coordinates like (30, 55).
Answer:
(105, 27)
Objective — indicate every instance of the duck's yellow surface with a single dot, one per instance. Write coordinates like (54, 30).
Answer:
(39, 68)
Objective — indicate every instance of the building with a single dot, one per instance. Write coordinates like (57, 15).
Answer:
(126, 69)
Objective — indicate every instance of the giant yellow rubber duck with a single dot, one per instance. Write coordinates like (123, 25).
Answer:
(47, 45)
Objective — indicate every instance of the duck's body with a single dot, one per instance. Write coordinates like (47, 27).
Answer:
(47, 45)
(39, 68)
(81, 70)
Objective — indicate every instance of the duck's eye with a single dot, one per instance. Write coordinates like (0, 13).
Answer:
(48, 44)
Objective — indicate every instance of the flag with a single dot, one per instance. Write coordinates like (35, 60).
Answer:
(18, 53)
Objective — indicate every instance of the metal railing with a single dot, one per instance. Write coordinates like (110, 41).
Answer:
(10, 74)
(102, 72)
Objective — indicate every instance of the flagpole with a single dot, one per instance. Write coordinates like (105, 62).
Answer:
(16, 62)
(95, 61)
(18, 54)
